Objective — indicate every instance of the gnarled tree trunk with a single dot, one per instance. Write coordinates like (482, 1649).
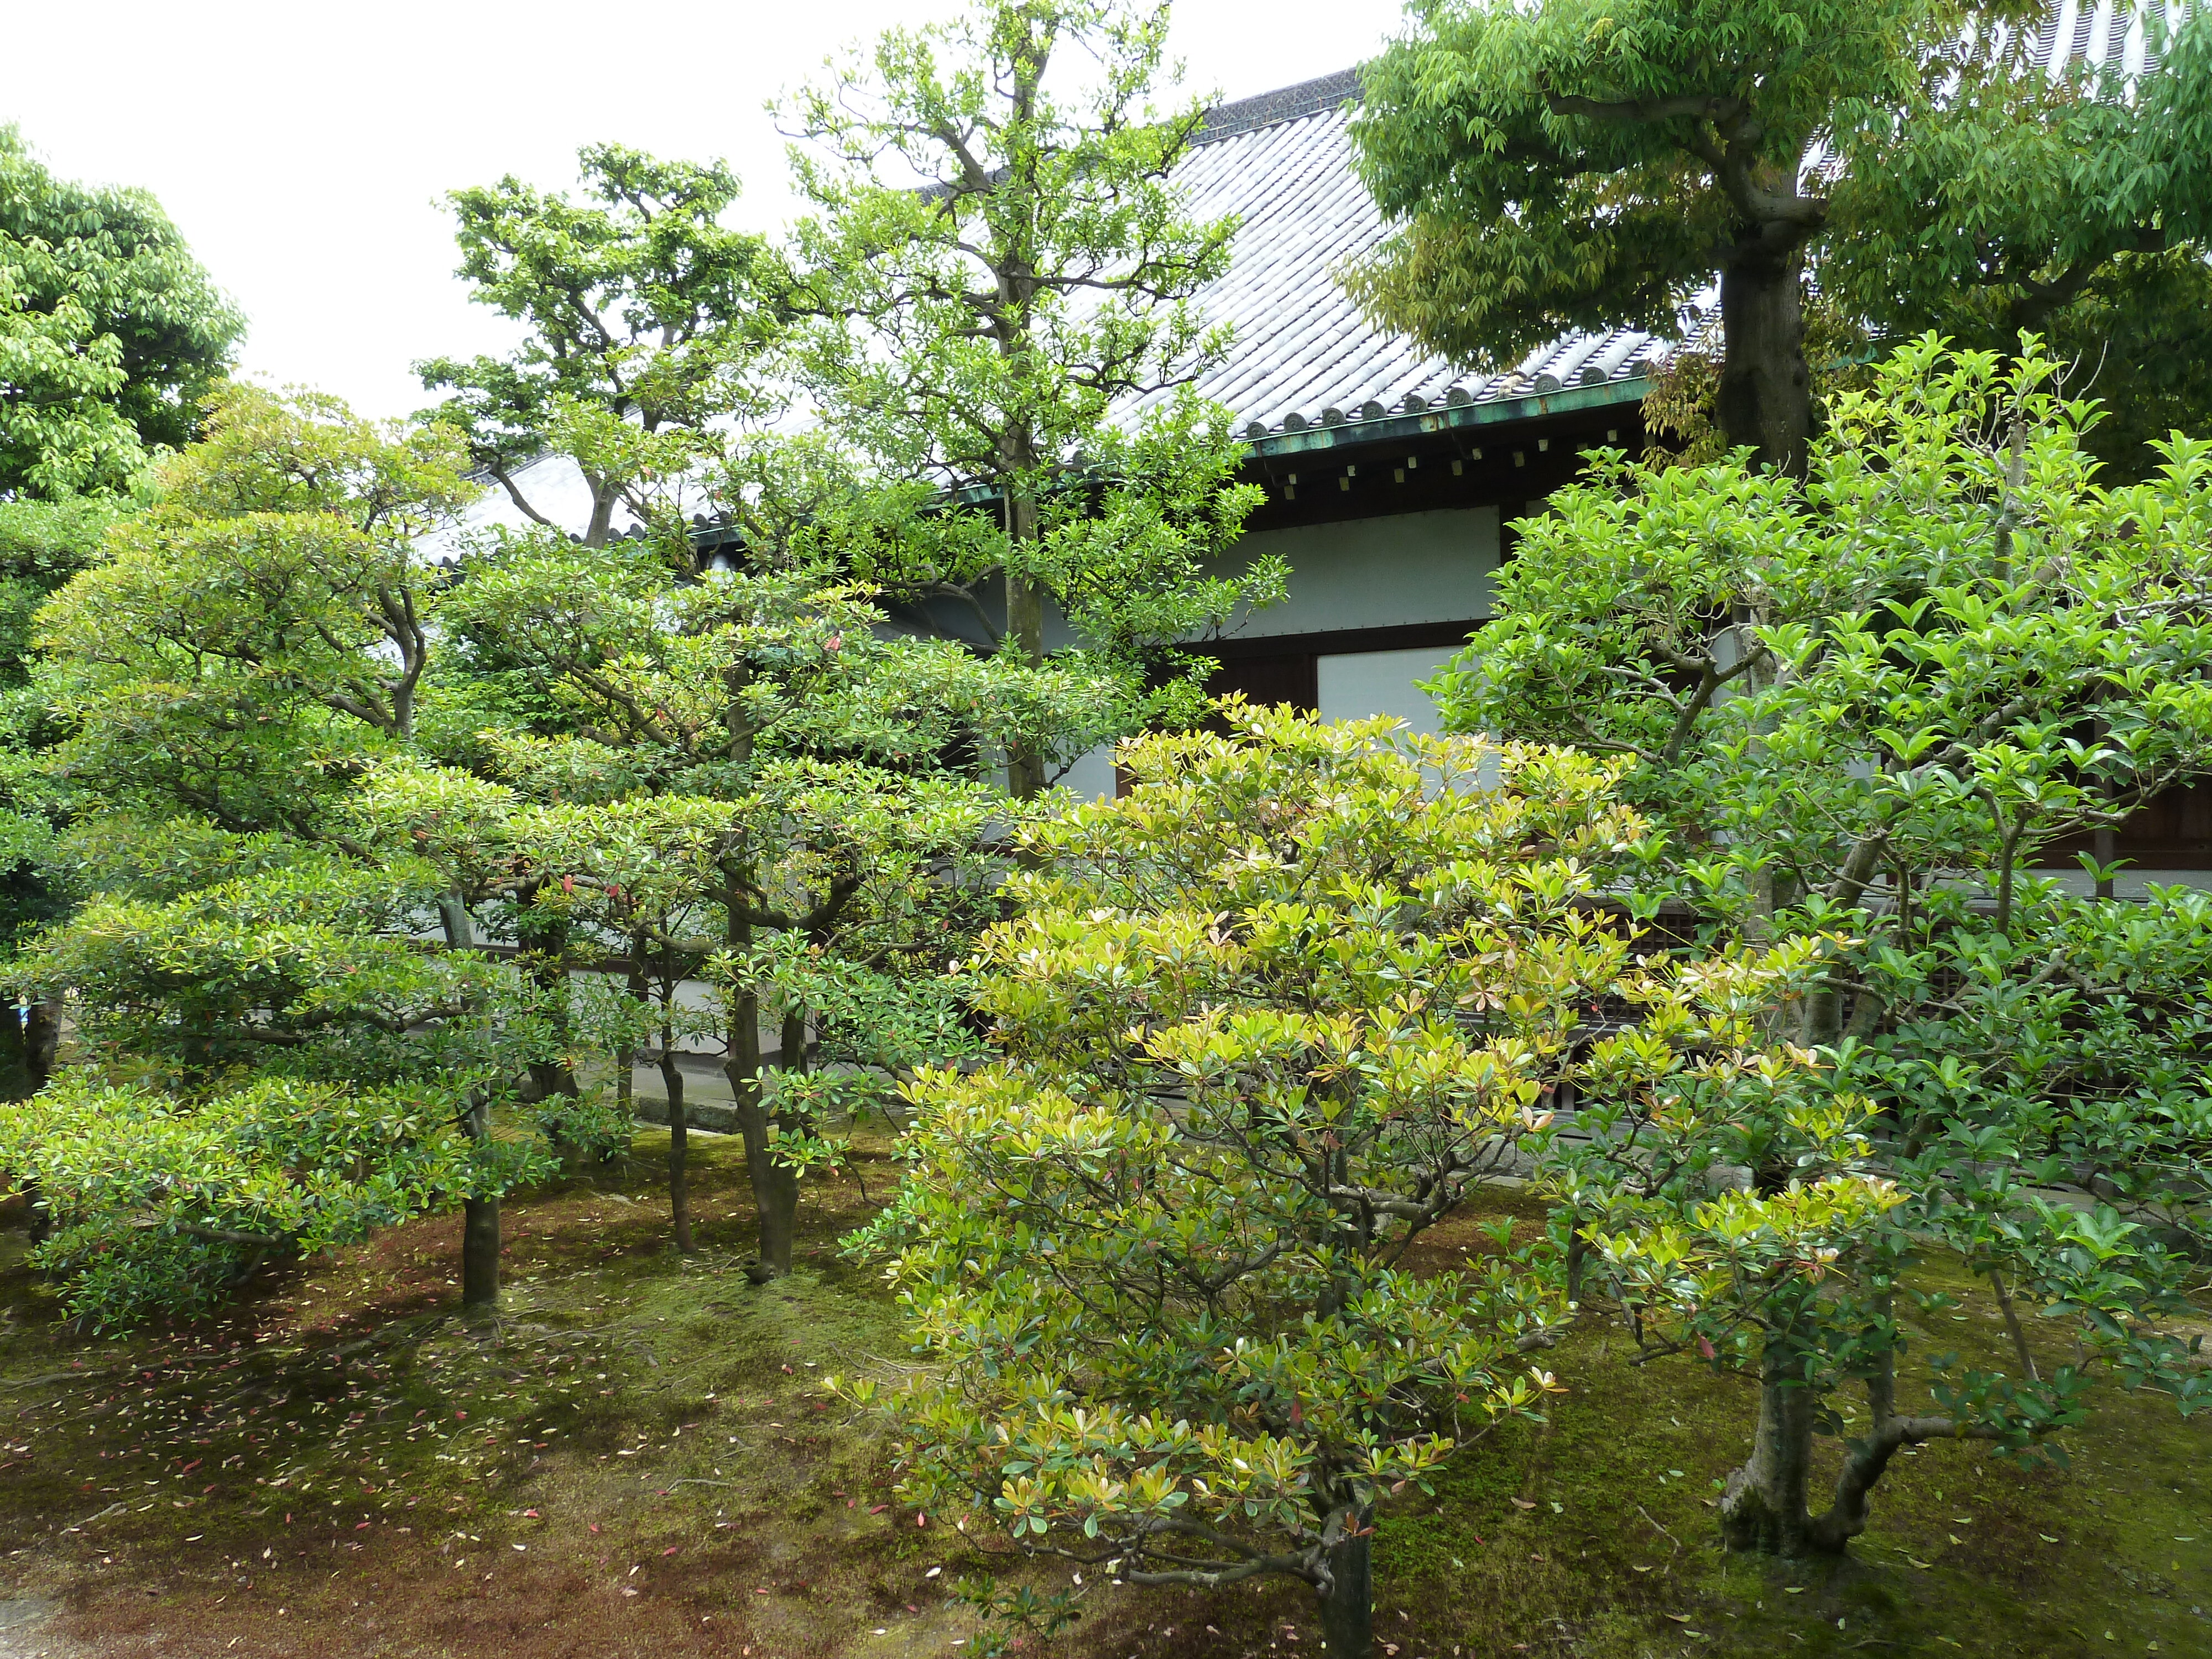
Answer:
(1348, 1604)
(1765, 394)
(1763, 1507)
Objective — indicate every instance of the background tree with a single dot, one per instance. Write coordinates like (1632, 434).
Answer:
(1596, 163)
(2078, 208)
(642, 311)
(1025, 271)
(43, 543)
(1264, 1021)
(109, 332)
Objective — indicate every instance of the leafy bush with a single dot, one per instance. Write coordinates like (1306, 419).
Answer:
(1265, 1021)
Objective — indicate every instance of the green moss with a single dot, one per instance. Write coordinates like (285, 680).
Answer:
(334, 1399)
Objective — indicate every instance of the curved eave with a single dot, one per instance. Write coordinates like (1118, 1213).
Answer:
(1455, 417)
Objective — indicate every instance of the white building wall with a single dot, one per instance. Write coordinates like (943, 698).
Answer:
(1361, 684)
(1377, 572)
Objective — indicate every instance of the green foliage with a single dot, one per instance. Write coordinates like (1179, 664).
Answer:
(1264, 1022)
(1586, 164)
(644, 311)
(109, 332)
(980, 332)
(1949, 649)
(159, 1208)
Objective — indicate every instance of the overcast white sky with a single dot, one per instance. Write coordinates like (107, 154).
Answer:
(303, 149)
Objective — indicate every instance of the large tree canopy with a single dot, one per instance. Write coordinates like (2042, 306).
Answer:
(1591, 163)
(109, 332)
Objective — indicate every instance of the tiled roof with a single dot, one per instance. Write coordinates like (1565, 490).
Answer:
(1304, 357)
(2103, 34)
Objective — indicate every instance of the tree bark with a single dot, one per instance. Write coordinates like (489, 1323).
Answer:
(480, 1227)
(775, 1186)
(1025, 767)
(42, 1040)
(1765, 397)
(679, 1184)
(1763, 1506)
(1348, 1604)
(15, 1054)
(38, 1219)
(480, 1253)
(543, 957)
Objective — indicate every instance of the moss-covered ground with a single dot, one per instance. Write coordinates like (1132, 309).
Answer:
(636, 1459)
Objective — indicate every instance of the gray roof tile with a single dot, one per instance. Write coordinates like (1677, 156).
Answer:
(1304, 356)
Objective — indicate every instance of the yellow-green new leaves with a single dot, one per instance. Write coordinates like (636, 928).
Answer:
(1264, 1020)
(158, 1207)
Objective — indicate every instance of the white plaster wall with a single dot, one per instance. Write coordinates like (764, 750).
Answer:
(1092, 776)
(1377, 572)
(1359, 684)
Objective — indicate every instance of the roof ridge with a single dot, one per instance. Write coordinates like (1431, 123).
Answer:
(1267, 109)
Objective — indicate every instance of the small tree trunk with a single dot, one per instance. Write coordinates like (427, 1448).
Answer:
(775, 1186)
(39, 1220)
(543, 959)
(42, 1040)
(626, 1061)
(1347, 1606)
(480, 1227)
(679, 1185)
(480, 1253)
(1025, 766)
(1765, 394)
(1763, 1507)
(15, 1057)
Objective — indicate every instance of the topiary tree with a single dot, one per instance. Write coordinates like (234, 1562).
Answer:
(803, 779)
(236, 684)
(644, 315)
(1263, 1022)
